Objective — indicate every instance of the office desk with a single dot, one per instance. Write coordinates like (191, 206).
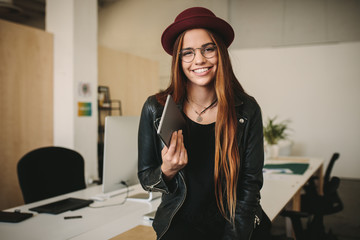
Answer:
(96, 223)
(107, 222)
(281, 190)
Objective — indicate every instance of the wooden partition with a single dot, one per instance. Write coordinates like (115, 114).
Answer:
(131, 79)
(26, 101)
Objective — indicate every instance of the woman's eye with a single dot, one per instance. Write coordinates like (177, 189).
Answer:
(187, 53)
(209, 49)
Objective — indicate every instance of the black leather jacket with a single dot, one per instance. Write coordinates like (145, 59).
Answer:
(250, 141)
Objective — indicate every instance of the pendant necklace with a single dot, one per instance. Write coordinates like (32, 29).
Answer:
(199, 117)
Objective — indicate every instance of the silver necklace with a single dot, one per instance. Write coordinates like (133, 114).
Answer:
(199, 117)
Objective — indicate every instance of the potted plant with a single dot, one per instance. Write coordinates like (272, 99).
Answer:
(273, 133)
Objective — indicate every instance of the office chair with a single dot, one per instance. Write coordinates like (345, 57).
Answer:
(315, 207)
(50, 171)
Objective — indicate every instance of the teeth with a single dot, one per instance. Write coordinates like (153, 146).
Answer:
(201, 70)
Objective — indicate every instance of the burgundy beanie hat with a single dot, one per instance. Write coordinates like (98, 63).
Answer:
(196, 17)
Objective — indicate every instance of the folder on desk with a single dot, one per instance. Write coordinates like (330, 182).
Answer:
(294, 168)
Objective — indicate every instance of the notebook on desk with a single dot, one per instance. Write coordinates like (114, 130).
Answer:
(62, 206)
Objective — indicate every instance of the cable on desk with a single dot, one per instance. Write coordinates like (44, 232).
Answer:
(117, 204)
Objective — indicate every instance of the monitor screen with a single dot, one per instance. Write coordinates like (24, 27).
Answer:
(120, 152)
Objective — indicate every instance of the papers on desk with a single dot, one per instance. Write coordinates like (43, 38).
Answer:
(285, 168)
(277, 170)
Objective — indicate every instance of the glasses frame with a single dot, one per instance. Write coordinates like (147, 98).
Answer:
(202, 50)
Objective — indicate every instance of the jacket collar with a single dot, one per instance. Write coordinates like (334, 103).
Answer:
(238, 100)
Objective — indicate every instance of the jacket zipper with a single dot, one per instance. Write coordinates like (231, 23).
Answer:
(156, 123)
(177, 209)
(256, 221)
(152, 187)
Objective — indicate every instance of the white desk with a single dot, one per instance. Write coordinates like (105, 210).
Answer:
(282, 189)
(96, 223)
(104, 223)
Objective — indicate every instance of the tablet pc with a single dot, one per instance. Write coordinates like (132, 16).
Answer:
(171, 120)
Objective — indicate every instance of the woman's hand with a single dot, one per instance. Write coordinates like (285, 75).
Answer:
(175, 157)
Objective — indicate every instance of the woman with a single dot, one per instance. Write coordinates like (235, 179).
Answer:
(211, 174)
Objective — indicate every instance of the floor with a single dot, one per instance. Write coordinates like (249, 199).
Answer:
(345, 224)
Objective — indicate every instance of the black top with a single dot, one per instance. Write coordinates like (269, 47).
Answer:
(200, 208)
(251, 150)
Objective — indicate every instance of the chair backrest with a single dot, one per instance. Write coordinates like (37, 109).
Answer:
(50, 171)
(332, 201)
(328, 203)
(330, 166)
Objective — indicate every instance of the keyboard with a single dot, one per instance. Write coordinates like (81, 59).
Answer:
(62, 206)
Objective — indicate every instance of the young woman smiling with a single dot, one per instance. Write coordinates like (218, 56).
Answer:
(211, 174)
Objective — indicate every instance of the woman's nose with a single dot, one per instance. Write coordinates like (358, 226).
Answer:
(199, 58)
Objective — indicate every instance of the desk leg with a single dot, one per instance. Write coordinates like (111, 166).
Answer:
(320, 174)
(295, 206)
(296, 201)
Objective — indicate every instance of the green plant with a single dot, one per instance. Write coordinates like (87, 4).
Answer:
(273, 132)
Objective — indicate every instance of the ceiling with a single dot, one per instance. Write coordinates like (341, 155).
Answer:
(29, 12)
(22, 11)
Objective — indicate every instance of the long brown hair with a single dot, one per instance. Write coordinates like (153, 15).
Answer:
(227, 158)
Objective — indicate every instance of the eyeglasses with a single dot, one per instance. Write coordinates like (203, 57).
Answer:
(188, 54)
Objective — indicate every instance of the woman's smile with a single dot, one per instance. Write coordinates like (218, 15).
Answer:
(202, 71)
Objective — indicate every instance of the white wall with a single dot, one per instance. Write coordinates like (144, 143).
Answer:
(267, 23)
(316, 87)
(74, 25)
(86, 71)
(59, 21)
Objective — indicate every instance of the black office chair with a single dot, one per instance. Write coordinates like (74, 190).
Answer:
(315, 207)
(50, 171)
(330, 202)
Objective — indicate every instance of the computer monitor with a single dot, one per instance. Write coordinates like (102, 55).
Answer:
(120, 153)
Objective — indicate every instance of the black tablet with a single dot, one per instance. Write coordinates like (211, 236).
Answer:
(171, 120)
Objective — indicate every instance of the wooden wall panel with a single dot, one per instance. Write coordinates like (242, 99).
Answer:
(26, 101)
(131, 78)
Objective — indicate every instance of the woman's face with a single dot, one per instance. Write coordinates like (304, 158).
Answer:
(200, 71)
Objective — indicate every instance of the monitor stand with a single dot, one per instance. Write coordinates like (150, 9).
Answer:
(138, 197)
(144, 197)
(105, 196)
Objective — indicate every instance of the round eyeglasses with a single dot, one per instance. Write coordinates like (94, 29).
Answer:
(188, 54)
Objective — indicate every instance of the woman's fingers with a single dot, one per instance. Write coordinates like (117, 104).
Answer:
(173, 143)
(174, 157)
(182, 150)
(179, 142)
